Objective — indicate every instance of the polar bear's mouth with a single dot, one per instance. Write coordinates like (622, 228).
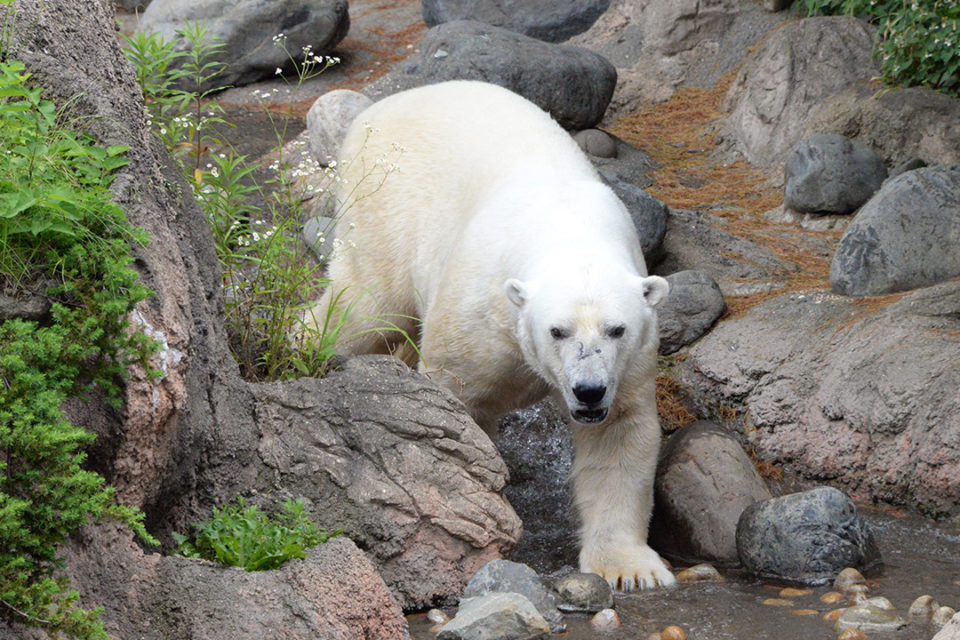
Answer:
(589, 416)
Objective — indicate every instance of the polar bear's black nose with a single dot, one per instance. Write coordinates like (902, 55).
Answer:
(589, 394)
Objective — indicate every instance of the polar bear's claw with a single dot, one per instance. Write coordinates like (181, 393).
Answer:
(628, 569)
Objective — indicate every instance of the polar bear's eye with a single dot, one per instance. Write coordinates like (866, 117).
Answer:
(558, 333)
(617, 331)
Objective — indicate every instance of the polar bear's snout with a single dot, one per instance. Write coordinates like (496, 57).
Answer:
(589, 394)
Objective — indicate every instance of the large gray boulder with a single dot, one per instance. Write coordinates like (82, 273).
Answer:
(574, 85)
(247, 29)
(829, 173)
(796, 66)
(704, 482)
(549, 20)
(393, 460)
(806, 537)
(906, 236)
(827, 387)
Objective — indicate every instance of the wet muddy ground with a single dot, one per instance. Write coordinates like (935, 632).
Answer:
(920, 558)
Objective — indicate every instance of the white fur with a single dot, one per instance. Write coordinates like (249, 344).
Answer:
(496, 232)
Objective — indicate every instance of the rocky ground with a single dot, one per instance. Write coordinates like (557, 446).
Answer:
(820, 388)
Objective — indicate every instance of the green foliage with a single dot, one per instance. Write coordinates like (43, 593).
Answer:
(921, 46)
(243, 536)
(58, 226)
(268, 275)
(173, 76)
(920, 39)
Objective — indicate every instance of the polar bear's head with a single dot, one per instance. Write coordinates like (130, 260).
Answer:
(581, 336)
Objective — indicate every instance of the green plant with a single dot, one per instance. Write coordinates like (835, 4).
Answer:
(268, 274)
(173, 76)
(63, 239)
(921, 46)
(919, 42)
(243, 536)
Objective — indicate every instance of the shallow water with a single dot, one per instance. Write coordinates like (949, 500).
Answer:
(920, 557)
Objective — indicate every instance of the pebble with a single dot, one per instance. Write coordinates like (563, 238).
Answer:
(777, 602)
(880, 603)
(605, 620)
(805, 612)
(868, 619)
(700, 573)
(654, 636)
(942, 616)
(673, 632)
(847, 578)
(831, 597)
(790, 592)
(831, 616)
(583, 592)
(857, 593)
(852, 634)
(924, 606)
(436, 616)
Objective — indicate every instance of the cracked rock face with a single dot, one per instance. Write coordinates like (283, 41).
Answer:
(393, 460)
(862, 393)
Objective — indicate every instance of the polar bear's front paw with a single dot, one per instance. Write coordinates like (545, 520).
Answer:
(626, 567)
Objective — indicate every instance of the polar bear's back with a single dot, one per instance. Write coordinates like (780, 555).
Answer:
(417, 165)
(456, 140)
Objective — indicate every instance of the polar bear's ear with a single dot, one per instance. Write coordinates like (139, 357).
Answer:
(655, 289)
(516, 291)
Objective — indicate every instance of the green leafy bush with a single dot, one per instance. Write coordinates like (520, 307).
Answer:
(242, 536)
(62, 238)
(919, 42)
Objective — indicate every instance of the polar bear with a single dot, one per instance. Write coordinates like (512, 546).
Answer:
(493, 241)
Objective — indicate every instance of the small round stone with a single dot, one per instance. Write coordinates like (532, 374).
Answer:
(597, 143)
(805, 612)
(868, 619)
(879, 602)
(583, 592)
(673, 632)
(831, 597)
(924, 606)
(777, 602)
(942, 616)
(790, 592)
(700, 573)
(856, 591)
(852, 634)
(605, 620)
(847, 578)
(436, 616)
(832, 616)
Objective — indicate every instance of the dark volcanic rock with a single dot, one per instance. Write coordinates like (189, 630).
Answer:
(574, 85)
(693, 305)
(828, 173)
(808, 537)
(247, 28)
(550, 20)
